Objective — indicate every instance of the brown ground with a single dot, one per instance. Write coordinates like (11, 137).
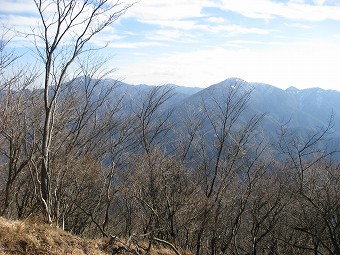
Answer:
(31, 238)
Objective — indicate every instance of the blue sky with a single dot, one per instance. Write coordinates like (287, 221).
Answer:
(201, 42)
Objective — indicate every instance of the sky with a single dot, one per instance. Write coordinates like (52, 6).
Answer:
(198, 43)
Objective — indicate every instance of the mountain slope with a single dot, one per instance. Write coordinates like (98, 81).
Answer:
(306, 108)
(31, 238)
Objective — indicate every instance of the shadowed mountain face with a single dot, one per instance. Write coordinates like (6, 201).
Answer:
(302, 109)
(308, 108)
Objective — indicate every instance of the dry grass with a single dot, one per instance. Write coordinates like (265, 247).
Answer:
(29, 237)
(32, 238)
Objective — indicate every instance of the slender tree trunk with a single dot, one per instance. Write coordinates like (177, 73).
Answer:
(199, 240)
(44, 172)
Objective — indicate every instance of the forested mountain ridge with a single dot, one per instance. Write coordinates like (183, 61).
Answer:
(304, 109)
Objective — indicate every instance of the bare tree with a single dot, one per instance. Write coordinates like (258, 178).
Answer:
(313, 190)
(66, 30)
(7, 59)
(16, 123)
(301, 151)
(227, 149)
(152, 123)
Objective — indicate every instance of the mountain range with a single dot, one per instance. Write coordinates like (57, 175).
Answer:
(304, 111)
(306, 108)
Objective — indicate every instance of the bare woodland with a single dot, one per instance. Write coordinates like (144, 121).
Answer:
(79, 157)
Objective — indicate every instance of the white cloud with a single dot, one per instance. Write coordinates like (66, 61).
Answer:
(168, 10)
(319, 2)
(134, 45)
(18, 6)
(298, 25)
(177, 24)
(218, 20)
(301, 65)
(278, 63)
(19, 27)
(192, 25)
(297, 1)
(236, 30)
(295, 10)
(20, 22)
(252, 42)
(167, 35)
(29, 22)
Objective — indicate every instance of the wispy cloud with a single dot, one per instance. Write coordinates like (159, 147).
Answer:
(167, 35)
(298, 25)
(295, 10)
(193, 25)
(20, 22)
(108, 35)
(252, 42)
(299, 64)
(177, 24)
(27, 23)
(236, 30)
(319, 2)
(199, 42)
(17, 6)
(169, 10)
(135, 45)
(216, 20)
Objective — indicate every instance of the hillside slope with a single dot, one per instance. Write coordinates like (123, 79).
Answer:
(29, 237)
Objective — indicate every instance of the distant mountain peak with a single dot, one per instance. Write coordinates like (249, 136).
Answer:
(234, 80)
(292, 89)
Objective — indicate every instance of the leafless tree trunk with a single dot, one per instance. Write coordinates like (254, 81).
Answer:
(73, 23)
(16, 122)
(314, 191)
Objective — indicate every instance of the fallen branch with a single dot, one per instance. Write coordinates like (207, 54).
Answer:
(167, 243)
